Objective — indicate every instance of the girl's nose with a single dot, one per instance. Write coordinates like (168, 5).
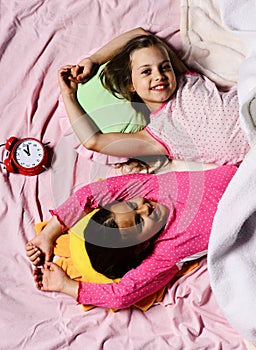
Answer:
(159, 75)
(144, 209)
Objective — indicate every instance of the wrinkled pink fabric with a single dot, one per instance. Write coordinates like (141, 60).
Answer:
(36, 38)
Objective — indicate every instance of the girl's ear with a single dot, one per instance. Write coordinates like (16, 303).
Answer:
(132, 89)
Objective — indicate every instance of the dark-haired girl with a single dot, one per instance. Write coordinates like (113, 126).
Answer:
(157, 221)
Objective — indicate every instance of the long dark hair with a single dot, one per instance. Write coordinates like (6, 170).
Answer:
(116, 76)
(105, 246)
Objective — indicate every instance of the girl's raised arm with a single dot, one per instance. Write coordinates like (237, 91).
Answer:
(114, 143)
(89, 65)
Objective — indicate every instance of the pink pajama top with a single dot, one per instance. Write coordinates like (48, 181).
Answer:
(200, 123)
(192, 198)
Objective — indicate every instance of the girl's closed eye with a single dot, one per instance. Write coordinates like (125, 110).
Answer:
(139, 220)
(132, 205)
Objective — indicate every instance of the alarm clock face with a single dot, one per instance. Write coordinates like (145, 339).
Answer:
(29, 153)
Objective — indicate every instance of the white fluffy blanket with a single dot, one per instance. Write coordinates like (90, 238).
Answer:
(232, 249)
(239, 17)
(208, 47)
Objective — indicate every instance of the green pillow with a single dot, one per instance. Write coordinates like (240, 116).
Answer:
(108, 112)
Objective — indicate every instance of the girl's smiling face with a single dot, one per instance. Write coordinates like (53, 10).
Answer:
(139, 219)
(153, 78)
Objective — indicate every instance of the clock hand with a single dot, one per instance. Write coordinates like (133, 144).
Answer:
(27, 150)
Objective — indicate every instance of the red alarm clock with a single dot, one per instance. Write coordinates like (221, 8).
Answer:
(26, 156)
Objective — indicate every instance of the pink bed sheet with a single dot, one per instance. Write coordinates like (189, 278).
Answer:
(36, 38)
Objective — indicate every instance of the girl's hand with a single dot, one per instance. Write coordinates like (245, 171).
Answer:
(132, 166)
(67, 83)
(51, 278)
(84, 71)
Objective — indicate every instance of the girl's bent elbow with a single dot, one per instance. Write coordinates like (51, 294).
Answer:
(91, 144)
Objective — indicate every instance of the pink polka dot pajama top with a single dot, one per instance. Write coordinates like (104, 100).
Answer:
(192, 198)
(200, 123)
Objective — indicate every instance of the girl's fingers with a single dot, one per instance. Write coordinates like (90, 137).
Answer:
(33, 253)
(64, 70)
(74, 80)
(30, 248)
(38, 278)
(30, 245)
(75, 70)
(35, 258)
(48, 265)
(39, 285)
(37, 271)
(82, 77)
(68, 66)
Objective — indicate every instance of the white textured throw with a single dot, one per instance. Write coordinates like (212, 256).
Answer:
(207, 45)
(232, 248)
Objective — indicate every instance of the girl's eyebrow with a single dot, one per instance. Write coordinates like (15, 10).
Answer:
(138, 222)
(143, 66)
(149, 65)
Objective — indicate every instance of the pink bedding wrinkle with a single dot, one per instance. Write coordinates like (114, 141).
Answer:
(37, 38)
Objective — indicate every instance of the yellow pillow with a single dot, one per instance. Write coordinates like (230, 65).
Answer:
(79, 254)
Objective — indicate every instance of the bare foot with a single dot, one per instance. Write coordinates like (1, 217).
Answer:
(39, 249)
(51, 277)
